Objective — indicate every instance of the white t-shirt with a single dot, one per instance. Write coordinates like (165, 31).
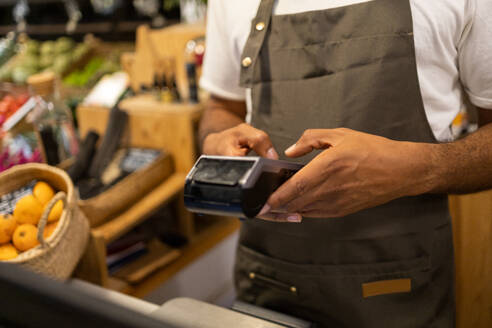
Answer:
(453, 41)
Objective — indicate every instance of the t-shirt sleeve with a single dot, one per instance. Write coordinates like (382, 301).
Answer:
(221, 68)
(475, 59)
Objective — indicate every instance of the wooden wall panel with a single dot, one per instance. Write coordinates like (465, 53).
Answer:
(472, 226)
(154, 46)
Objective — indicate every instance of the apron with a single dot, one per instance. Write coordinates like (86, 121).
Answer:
(389, 266)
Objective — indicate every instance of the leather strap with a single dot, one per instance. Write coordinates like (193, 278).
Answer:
(256, 40)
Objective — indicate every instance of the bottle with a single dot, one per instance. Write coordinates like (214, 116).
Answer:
(53, 120)
(174, 89)
(144, 89)
(156, 87)
(192, 84)
(194, 52)
(166, 94)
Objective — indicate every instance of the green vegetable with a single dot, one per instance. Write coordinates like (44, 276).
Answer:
(62, 63)
(6, 73)
(47, 48)
(63, 45)
(21, 73)
(80, 51)
(30, 61)
(91, 71)
(32, 47)
(46, 61)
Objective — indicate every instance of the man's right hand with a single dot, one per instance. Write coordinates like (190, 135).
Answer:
(239, 141)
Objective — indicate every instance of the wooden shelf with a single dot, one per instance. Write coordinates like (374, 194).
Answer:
(82, 28)
(147, 103)
(159, 127)
(214, 231)
(5, 3)
(119, 286)
(206, 239)
(159, 255)
(140, 211)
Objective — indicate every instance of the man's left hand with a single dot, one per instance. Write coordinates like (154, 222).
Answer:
(355, 171)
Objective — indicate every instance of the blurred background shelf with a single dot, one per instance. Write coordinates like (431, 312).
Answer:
(48, 18)
(106, 30)
(206, 239)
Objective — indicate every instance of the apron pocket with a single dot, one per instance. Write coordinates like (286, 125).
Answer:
(337, 293)
(258, 261)
(264, 281)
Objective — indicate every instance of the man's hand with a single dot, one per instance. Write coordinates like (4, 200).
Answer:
(355, 171)
(239, 141)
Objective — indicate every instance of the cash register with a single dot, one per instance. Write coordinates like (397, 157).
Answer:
(31, 300)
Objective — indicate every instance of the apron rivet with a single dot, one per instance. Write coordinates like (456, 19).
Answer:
(260, 26)
(247, 62)
(252, 275)
(293, 289)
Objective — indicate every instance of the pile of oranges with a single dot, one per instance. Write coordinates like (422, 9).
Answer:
(18, 232)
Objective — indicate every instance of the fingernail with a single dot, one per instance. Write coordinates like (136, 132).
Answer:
(294, 218)
(291, 148)
(271, 153)
(264, 210)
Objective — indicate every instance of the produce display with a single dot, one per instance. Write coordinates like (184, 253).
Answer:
(77, 67)
(18, 143)
(18, 149)
(9, 104)
(18, 231)
(17, 146)
(91, 73)
(34, 57)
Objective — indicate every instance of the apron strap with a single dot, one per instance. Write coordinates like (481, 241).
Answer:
(259, 28)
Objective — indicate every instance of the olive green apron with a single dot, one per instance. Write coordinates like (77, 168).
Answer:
(390, 266)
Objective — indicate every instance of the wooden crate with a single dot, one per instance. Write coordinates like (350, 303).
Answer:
(151, 124)
(171, 127)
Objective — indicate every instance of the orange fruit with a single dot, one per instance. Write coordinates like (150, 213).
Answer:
(48, 230)
(43, 192)
(28, 210)
(7, 227)
(25, 237)
(8, 252)
(56, 211)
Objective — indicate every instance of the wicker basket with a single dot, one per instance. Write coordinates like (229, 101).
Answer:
(58, 255)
